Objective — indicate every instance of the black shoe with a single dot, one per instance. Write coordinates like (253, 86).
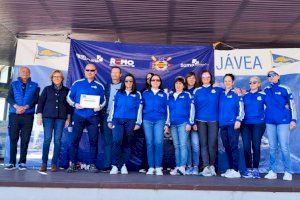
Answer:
(72, 168)
(10, 167)
(93, 168)
(22, 166)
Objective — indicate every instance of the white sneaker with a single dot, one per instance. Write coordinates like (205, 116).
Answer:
(181, 170)
(227, 172)
(212, 170)
(142, 171)
(114, 170)
(158, 171)
(233, 174)
(150, 171)
(287, 176)
(271, 175)
(206, 171)
(124, 169)
(174, 172)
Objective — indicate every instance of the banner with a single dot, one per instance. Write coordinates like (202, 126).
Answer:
(245, 63)
(138, 59)
(41, 58)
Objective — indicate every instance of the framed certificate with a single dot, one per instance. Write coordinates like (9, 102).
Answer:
(89, 101)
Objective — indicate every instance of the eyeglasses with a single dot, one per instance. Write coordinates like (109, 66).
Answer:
(253, 82)
(90, 70)
(155, 80)
(272, 74)
(206, 77)
(128, 81)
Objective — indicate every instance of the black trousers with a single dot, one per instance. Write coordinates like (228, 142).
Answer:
(19, 126)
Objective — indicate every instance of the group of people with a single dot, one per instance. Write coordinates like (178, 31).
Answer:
(193, 113)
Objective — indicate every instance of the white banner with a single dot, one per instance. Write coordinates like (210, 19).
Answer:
(245, 62)
(49, 54)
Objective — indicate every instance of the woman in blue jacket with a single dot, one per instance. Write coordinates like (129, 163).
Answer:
(193, 137)
(231, 114)
(253, 126)
(206, 100)
(182, 113)
(124, 118)
(281, 118)
(155, 122)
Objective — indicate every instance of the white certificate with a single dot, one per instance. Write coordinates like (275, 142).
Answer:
(89, 101)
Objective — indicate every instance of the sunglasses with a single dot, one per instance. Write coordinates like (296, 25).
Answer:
(155, 80)
(272, 74)
(128, 81)
(90, 70)
(253, 82)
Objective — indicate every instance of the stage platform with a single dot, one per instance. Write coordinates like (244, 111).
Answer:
(82, 179)
(31, 179)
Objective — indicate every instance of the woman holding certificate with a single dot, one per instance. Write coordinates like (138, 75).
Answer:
(155, 122)
(124, 118)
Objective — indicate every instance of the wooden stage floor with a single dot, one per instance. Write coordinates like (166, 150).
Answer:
(82, 179)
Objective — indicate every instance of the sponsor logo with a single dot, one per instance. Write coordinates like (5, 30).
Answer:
(229, 96)
(259, 98)
(194, 63)
(181, 97)
(98, 58)
(121, 62)
(160, 63)
(133, 95)
(94, 86)
(278, 93)
(161, 95)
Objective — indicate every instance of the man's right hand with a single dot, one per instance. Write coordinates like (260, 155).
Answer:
(110, 125)
(19, 109)
(78, 106)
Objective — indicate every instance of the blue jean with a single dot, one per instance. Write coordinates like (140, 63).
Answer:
(180, 138)
(91, 124)
(230, 140)
(279, 134)
(55, 126)
(193, 150)
(252, 134)
(154, 133)
(122, 140)
(107, 136)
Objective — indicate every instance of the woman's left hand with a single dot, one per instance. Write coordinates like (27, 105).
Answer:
(237, 125)
(166, 129)
(67, 123)
(292, 125)
(136, 127)
(188, 128)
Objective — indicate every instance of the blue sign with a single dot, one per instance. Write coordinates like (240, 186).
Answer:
(168, 61)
